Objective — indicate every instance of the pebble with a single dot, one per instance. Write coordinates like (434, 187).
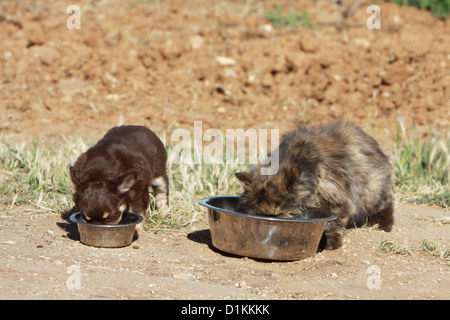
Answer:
(266, 28)
(241, 284)
(110, 78)
(196, 42)
(225, 61)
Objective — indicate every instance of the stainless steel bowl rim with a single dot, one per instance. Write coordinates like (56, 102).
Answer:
(204, 203)
(73, 218)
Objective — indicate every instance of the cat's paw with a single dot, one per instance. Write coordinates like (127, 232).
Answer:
(333, 242)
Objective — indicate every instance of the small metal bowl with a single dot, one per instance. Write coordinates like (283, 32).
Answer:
(260, 236)
(107, 235)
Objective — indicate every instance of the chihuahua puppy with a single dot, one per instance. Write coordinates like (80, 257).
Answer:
(114, 176)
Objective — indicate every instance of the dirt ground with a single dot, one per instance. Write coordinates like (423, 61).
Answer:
(41, 257)
(155, 63)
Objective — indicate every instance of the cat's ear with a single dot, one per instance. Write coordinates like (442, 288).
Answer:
(244, 177)
(291, 176)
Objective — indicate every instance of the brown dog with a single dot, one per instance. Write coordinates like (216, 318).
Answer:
(114, 176)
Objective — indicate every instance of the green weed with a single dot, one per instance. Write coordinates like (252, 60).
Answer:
(431, 248)
(387, 246)
(278, 19)
(439, 8)
(427, 247)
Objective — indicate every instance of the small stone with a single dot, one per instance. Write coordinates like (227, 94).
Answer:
(266, 28)
(196, 42)
(225, 61)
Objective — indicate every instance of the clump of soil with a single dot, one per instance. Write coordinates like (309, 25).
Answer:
(164, 64)
(158, 64)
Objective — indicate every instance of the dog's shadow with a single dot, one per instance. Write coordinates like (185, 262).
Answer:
(70, 227)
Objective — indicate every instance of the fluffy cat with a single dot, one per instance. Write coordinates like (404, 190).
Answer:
(335, 167)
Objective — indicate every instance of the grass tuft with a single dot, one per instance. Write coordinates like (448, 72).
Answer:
(387, 246)
(277, 19)
(422, 169)
(426, 247)
(37, 173)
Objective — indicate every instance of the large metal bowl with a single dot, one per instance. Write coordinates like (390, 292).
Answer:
(107, 235)
(261, 236)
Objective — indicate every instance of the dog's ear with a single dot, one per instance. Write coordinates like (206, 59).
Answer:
(126, 182)
(74, 176)
(244, 177)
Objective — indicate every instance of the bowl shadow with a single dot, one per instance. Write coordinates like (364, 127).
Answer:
(204, 237)
(70, 227)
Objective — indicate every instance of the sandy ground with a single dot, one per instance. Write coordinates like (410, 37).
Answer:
(158, 64)
(155, 63)
(41, 257)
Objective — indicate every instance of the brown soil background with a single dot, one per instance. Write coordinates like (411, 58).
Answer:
(154, 64)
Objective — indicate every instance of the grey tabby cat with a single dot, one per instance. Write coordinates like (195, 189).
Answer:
(336, 167)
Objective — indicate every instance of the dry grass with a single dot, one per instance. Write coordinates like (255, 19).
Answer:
(39, 175)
